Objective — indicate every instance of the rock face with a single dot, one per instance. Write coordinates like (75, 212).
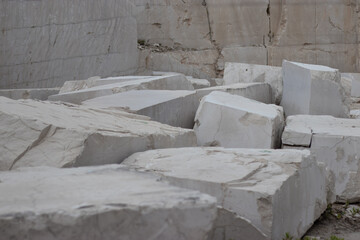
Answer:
(313, 89)
(45, 43)
(247, 73)
(227, 120)
(279, 191)
(31, 93)
(257, 91)
(176, 108)
(99, 203)
(334, 142)
(168, 82)
(41, 133)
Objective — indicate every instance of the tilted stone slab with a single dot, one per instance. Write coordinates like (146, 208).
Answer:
(227, 120)
(167, 82)
(36, 133)
(107, 202)
(314, 90)
(176, 108)
(279, 191)
(257, 91)
(30, 93)
(248, 73)
(334, 142)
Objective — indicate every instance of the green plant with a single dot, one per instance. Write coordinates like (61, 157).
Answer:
(288, 236)
(335, 238)
(354, 211)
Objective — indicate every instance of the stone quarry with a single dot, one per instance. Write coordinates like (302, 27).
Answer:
(184, 120)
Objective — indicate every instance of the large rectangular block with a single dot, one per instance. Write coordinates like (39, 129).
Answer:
(334, 142)
(34, 133)
(168, 82)
(278, 191)
(355, 83)
(176, 108)
(99, 203)
(250, 73)
(313, 89)
(228, 120)
(257, 91)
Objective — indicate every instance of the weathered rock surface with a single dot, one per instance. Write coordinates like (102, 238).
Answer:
(198, 83)
(313, 89)
(99, 203)
(176, 108)
(248, 73)
(30, 93)
(168, 82)
(228, 120)
(41, 133)
(334, 142)
(355, 83)
(257, 91)
(279, 191)
(43, 43)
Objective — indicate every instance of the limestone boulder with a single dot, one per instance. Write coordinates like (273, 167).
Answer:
(227, 120)
(313, 89)
(277, 191)
(30, 93)
(99, 203)
(176, 108)
(36, 133)
(334, 142)
(257, 91)
(168, 82)
(249, 73)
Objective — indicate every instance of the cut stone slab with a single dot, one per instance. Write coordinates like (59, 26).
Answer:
(278, 191)
(314, 90)
(176, 108)
(30, 93)
(168, 82)
(355, 83)
(107, 202)
(248, 73)
(227, 120)
(70, 86)
(257, 91)
(36, 133)
(334, 142)
(198, 83)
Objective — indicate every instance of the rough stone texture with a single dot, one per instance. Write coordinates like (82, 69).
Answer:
(257, 91)
(228, 120)
(247, 73)
(313, 89)
(279, 191)
(355, 83)
(334, 142)
(176, 108)
(198, 83)
(31, 93)
(41, 133)
(99, 203)
(167, 82)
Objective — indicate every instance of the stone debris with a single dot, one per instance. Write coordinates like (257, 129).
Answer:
(106, 202)
(313, 89)
(30, 93)
(334, 142)
(176, 108)
(167, 82)
(228, 120)
(249, 73)
(257, 91)
(278, 191)
(198, 83)
(42, 133)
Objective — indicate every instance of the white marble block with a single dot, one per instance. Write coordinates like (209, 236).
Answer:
(314, 90)
(249, 73)
(257, 91)
(334, 142)
(355, 83)
(36, 133)
(99, 203)
(176, 108)
(166, 82)
(277, 191)
(228, 120)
